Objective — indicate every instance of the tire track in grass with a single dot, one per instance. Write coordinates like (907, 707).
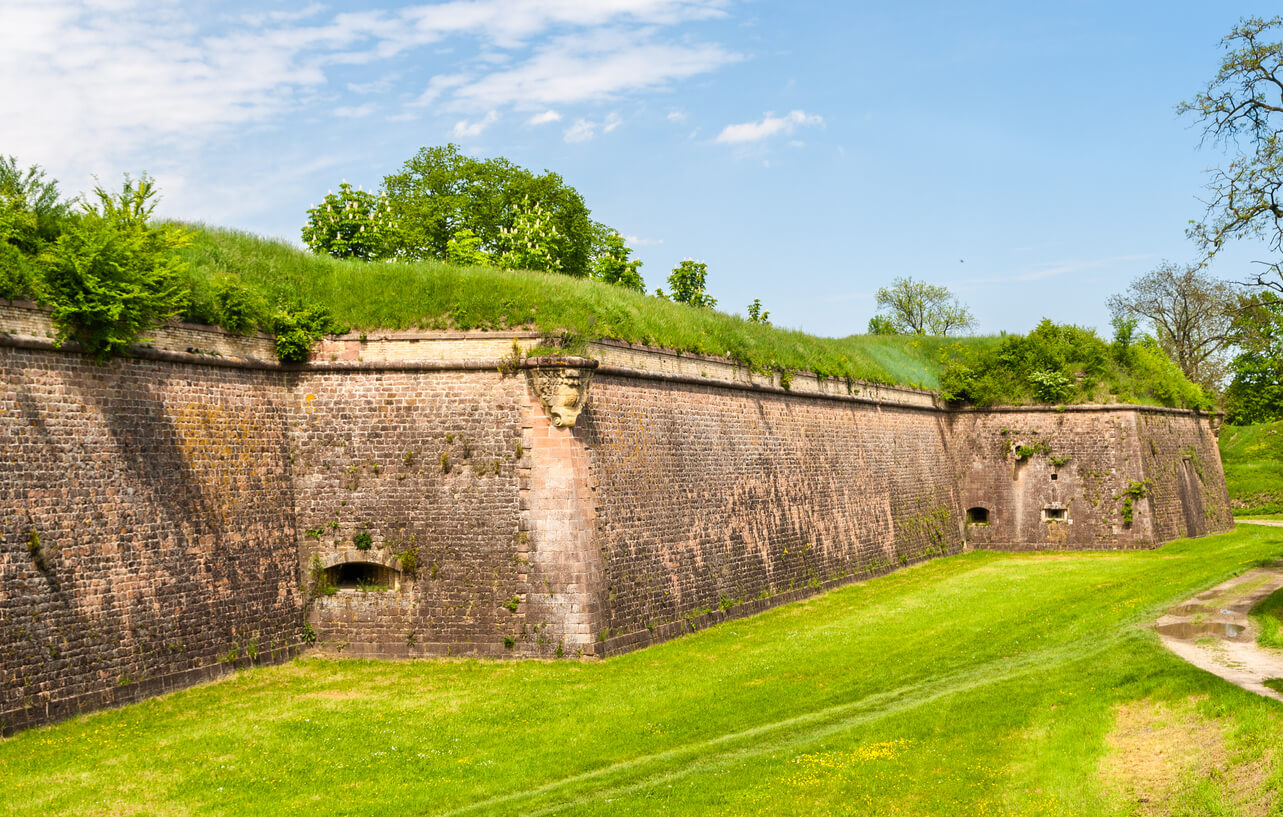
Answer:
(790, 733)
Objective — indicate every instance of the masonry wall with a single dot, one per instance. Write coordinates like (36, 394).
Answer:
(425, 462)
(1092, 463)
(146, 529)
(168, 517)
(708, 497)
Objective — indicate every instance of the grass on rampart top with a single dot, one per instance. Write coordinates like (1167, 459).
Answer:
(1253, 460)
(435, 295)
(982, 684)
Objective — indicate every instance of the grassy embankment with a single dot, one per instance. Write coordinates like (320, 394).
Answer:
(433, 295)
(974, 685)
(1253, 460)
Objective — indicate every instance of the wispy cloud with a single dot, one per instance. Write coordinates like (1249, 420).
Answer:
(770, 125)
(584, 129)
(1042, 272)
(356, 112)
(544, 118)
(464, 128)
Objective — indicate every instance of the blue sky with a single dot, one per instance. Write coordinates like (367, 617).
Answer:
(1026, 155)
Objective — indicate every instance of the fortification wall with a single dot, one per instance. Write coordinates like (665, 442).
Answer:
(1098, 477)
(712, 496)
(167, 517)
(424, 462)
(147, 529)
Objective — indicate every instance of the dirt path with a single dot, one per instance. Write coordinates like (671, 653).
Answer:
(1212, 630)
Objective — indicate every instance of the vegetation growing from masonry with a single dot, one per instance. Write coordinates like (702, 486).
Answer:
(1253, 461)
(1036, 688)
(1062, 364)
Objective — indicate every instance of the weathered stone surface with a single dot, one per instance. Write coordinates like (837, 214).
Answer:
(165, 519)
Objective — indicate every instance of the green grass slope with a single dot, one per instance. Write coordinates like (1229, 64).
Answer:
(1253, 460)
(434, 295)
(983, 684)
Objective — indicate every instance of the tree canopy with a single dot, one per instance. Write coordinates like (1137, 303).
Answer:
(440, 192)
(1242, 110)
(1191, 315)
(918, 308)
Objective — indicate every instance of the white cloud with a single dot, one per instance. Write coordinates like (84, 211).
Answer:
(769, 126)
(581, 131)
(676, 116)
(544, 118)
(356, 112)
(584, 129)
(464, 128)
(574, 70)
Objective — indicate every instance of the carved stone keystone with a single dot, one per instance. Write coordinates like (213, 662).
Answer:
(561, 384)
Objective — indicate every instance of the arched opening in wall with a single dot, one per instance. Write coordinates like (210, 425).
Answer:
(977, 516)
(359, 576)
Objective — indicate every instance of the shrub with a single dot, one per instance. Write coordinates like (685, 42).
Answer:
(363, 540)
(110, 275)
(298, 328)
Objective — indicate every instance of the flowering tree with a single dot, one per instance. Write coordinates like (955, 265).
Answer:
(350, 224)
(531, 241)
(613, 266)
(686, 282)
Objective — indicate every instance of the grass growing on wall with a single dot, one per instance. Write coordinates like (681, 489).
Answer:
(435, 295)
(979, 684)
(1253, 460)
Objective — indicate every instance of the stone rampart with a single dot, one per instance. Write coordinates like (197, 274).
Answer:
(169, 516)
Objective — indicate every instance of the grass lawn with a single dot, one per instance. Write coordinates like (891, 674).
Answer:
(1253, 460)
(975, 685)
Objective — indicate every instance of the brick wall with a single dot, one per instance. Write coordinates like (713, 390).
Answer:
(708, 497)
(1021, 464)
(147, 529)
(425, 462)
(163, 517)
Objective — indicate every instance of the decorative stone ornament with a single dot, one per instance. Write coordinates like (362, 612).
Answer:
(561, 384)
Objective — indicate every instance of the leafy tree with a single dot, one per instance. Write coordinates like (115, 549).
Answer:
(918, 308)
(881, 325)
(1255, 392)
(531, 242)
(1242, 110)
(464, 249)
(1192, 316)
(111, 274)
(758, 315)
(351, 224)
(612, 264)
(686, 283)
(37, 198)
(440, 192)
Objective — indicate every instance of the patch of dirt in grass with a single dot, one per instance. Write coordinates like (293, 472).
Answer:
(1154, 749)
(1158, 753)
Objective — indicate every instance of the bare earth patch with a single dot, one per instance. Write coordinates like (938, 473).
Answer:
(1155, 750)
(1159, 754)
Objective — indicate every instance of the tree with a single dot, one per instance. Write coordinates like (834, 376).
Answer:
(756, 314)
(351, 224)
(687, 284)
(1255, 392)
(1191, 314)
(919, 308)
(530, 243)
(612, 264)
(441, 192)
(1242, 109)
